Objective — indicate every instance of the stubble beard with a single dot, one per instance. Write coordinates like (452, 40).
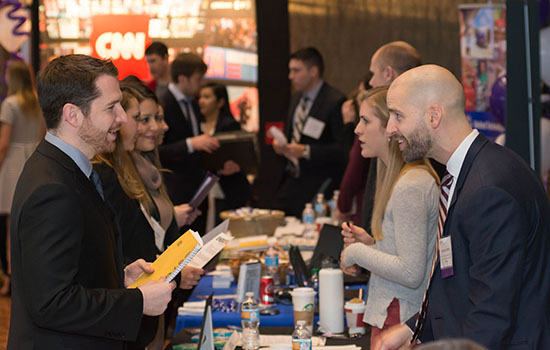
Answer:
(95, 138)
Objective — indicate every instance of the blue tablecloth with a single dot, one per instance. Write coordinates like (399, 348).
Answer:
(224, 319)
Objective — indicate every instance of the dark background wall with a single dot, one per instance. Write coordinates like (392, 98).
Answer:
(348, 32)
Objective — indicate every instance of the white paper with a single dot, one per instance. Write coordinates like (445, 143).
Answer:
(313, 128)
(278, 135)
(216, 231)
(209, 250)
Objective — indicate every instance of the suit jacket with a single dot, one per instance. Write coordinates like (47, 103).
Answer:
(67, 262)
(328, 155)
(187, 172)
(499, 224)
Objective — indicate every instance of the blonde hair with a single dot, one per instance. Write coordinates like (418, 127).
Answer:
(387, 174)
(21, 84)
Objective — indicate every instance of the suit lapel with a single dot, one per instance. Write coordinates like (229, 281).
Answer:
(474, 149)
(316, 107)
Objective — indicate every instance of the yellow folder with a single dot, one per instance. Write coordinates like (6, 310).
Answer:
(173, 259)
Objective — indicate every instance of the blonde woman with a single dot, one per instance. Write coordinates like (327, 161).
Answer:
(21, 128)
(399, 250)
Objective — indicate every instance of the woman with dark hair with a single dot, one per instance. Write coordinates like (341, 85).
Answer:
(21, 128)
(234, 190)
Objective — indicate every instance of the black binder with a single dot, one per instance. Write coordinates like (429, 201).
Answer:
(239, 146)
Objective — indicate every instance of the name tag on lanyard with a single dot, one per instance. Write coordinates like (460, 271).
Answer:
(446, 257)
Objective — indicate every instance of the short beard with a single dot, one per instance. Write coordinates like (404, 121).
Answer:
(419, 144)
(94, 137)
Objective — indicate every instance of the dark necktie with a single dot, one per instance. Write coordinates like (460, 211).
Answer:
(97, 183)
(443, 205)
(189, 117)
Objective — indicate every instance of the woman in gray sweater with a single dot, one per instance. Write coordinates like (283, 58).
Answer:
(400, 248)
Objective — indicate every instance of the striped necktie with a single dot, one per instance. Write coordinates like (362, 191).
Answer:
(443, 206)
(300, 119)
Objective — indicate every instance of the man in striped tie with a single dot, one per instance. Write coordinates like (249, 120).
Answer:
(314, 129)
(490, 280)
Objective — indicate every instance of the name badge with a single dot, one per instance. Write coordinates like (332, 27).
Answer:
(313, 128)
(446, 257)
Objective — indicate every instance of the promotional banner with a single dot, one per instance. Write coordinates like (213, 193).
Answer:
(483, 52)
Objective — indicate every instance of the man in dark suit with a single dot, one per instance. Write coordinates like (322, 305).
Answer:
(68, 276)
(490, 283)
(183, 140)
(316, 149)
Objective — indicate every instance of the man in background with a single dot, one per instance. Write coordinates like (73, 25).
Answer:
(316, 149)
(156, 56)
(387, 63)
(183, 140)
(68, 279)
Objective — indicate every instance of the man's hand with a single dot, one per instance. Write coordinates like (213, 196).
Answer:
(205, 143)
(190, 276)
(278, 148)
(354, 234)
(352, 270)
(230, 168)
(348, 112)
(135, 269)
(398, 337)
(156, 296)
(185, 214)
(295, 150)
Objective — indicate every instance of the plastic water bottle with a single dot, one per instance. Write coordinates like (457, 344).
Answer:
(308, 218)
(333, 204)
(272, 260)
(250, 321)
(320, 206)
(301, 338)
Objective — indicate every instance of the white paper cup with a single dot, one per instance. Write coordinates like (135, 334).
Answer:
(303, 302)
(354, 317)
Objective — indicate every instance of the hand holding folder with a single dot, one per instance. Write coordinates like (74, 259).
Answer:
(170, 263)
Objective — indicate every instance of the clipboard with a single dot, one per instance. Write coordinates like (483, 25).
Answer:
(239, 146)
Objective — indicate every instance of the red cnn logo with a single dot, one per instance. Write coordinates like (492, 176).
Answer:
(123, 39)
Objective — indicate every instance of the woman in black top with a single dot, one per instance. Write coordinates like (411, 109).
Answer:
(214, 107)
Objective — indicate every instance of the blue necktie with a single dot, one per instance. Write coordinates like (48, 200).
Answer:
(97, 183)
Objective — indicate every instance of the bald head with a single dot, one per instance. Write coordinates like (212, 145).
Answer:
(426, 107)
(431, 84)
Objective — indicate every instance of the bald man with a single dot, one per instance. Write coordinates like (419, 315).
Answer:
(494, 285)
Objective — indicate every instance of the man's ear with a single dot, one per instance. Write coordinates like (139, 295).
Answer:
(314, 70)
(435, 113)
(71, 114)
(389, 74)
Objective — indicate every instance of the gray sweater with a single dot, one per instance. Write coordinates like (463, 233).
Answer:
(400, 263)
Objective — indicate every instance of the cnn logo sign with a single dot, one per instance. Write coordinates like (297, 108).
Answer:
(116, 45)
(123, 39)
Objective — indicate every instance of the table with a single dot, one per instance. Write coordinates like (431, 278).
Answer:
(223, 319)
